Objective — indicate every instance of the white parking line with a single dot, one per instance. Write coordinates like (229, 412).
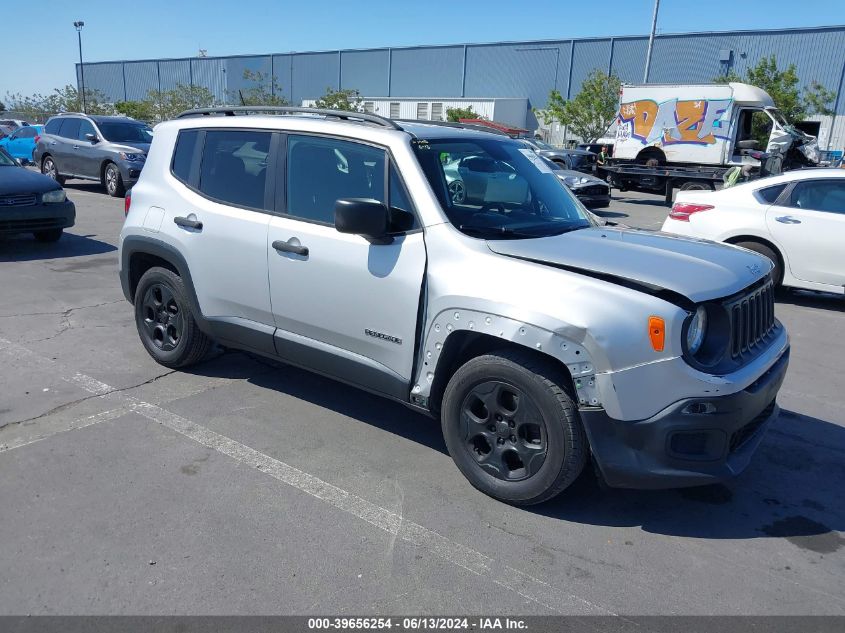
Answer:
(519, 582)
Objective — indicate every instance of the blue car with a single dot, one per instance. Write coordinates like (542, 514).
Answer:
(21, 143)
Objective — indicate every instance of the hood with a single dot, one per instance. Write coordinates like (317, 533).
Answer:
(19, 180)
(131, 147)
(697, 270)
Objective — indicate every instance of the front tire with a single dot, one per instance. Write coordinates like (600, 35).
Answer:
(511, 427)
(113, 181)
(166, 322)
(50, 235)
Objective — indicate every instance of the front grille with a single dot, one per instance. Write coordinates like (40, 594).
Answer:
(18, 200)
(752, 320)
(592, 190)
(26, 226)
(744, 433)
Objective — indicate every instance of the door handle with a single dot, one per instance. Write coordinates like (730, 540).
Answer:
(287, 247)
(53, 143)
(76, 147)
(786, 219)
(188, 223)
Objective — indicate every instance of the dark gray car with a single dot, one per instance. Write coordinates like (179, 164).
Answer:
(575, 159)
(108, 149)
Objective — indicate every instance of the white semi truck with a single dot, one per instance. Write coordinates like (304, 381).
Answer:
(688, 136)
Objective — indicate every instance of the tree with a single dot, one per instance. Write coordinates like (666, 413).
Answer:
(782, 87)
(38, 107)
(591, 112)
(266, 91)
(2, 107)
(167, 104)
(141, 110)
(456, 114)
(348, 100)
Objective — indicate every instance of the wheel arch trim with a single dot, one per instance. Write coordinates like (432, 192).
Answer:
(453, 324)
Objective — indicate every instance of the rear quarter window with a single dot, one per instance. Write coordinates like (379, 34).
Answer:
(183, 155)
(768, 195)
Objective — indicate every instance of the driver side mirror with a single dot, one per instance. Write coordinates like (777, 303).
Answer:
(92, 137)
(362, 216)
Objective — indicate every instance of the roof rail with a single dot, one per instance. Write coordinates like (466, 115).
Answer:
(455, 124)
(337, 114)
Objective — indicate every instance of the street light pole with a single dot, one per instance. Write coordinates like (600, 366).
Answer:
(651, 42)
(79, 24)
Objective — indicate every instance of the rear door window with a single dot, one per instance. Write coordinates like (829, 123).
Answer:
(234, 167)
(819, 195)
(69, 129)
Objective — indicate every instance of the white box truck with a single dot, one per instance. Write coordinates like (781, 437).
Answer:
(688, 136)
(705, 124)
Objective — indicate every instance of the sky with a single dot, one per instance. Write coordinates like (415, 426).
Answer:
(41, 57)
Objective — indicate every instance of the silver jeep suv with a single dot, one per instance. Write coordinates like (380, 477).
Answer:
(539, 336)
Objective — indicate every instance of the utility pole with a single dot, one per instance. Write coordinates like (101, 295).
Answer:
(651, 42)
(79, 24)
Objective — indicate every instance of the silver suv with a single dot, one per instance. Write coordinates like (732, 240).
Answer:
(108, 149)
(540, 337)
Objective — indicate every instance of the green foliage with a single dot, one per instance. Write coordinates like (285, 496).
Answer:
(591, 112)
(166, 104)
(140, 110)
(39, 107)
(348, 100)
(2, 107)
(266, 91)
(782, 87)
(456, 114)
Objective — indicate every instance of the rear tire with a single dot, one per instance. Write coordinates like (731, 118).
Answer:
(49, 168)
(512, 428)
(165, 321)
(696, 186)
(757, 247)
(51, 235)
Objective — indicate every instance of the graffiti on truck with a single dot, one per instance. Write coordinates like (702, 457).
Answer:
(697, 121)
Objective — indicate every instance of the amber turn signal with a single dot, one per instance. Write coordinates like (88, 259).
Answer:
(657, 332)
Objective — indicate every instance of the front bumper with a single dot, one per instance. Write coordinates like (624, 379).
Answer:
(692, 442)
(130, 171)
(594, 201)
(37, 217)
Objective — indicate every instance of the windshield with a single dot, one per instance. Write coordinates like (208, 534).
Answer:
(126, 132)
(498, 189)
(776, 115)
(539, 144)
(6, 160)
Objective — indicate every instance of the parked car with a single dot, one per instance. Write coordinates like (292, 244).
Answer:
(796, 219)
(575, 159)
(591, 191)
(21, 143)
(6, 130)
(13, 123)
(540, 338)
(32, 203)
(481, 180)
(108, 149)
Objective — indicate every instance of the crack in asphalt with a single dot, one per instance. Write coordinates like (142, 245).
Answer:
(63, 313)
(67, 405)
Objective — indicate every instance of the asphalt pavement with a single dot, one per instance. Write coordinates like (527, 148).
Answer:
(243, 486)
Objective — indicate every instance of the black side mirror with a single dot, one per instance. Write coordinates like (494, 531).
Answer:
(91, 137)
(362, 216)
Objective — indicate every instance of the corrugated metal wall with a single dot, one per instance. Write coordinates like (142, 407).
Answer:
(514, 69)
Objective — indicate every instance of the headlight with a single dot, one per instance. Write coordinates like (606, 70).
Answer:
(53, 196)
(132, 157)
(574, 180)
(696, 330)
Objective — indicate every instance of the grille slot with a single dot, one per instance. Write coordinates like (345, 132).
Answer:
(744, 433)
(18, 200)
(752, 320)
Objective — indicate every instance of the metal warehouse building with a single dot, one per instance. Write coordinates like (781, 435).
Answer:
(504, 80)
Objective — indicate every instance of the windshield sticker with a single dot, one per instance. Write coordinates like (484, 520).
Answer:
(536, 160)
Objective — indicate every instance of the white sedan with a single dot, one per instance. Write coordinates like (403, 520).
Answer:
(796, 219)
